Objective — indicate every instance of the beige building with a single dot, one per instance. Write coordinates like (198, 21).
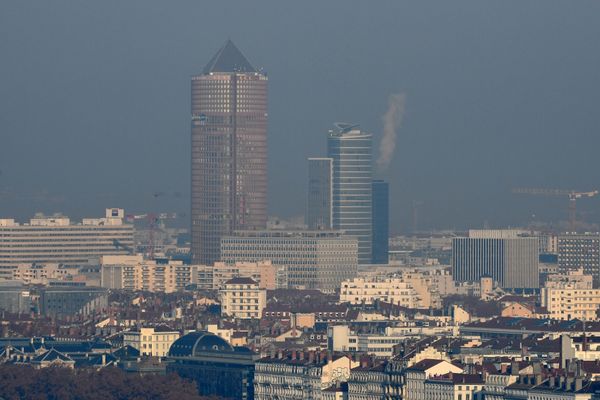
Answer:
(155, 341)
(454, 387)
(242, 298)
(570, 296)
(56, 240)
(389, 290)
(36, 274)
(135, 273)
(267, 275)
(419, 373)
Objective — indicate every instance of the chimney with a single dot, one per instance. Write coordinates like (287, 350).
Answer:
(504, 368)
(103, 358)
(280, 354)
(311, 356)
(552, 383)
(569, 383)
(294, 354)
(578, 384)
(301, 355)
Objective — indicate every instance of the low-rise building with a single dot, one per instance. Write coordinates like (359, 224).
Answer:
(151, 341)
(67, 299)
(242, 298)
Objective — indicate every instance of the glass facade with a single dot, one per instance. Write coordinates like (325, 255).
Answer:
(380, 190)
(320, 174)
(350, 150)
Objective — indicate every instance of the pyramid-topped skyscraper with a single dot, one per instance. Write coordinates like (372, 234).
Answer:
(229, 151)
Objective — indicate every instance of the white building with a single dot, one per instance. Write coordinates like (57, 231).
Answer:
(389, 290)
(242, 298)
(570, 296)
(267, 275)
(55, 240)
(454, 387)
(418, 374)
(312, 259)
(299, 375)
(155, 341)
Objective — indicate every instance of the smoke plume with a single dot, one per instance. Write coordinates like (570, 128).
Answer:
(392, 120)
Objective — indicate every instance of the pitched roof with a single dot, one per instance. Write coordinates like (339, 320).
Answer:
(51, 356)
(424, 365)
(228, 59)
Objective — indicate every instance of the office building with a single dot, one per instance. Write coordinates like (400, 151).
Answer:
(242, 298)
(55, 240)
(312, 259)
(217, 368)
(320, 194)
(68, 299)
(229, 151)
(577, 251)
(510, 259)
(350, 149)
(135, 273)
(151, 341)
(14, 297)
(380, 222)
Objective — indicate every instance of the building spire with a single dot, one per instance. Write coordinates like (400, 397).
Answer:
(228, 59)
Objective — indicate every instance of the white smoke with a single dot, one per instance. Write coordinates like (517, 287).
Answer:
(392, 120)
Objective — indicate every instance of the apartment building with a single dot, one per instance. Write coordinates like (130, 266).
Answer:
(36, 274)
(571, 296)
(153, 341)
(418, 374)
(56, 240)
(267, 275)
(389, 290)
(312, 259)
(135, 273)
(454, 387)
(293, 375)
(242, 298)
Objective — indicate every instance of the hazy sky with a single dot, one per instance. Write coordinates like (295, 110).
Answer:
(94, 100)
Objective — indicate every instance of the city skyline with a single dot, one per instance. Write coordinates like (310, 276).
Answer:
(475, 125)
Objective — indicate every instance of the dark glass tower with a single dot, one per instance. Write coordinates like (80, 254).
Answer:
(229, 151)
(320, 175)
(350, 150)
(381, 232)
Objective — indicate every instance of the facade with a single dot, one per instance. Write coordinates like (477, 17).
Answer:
(350, 149)
(380, 222)
(454, 387)
(217, 368)
(242, 298)
(389, 290)
(577, 251)
(418, 374)
(153, 341)
(135, 273)
(510, 259)
(570, 295)
(298, 375)
(229, 151)
(15, 298)
(62, 301)
(267, 275)
(320, 194)
(36, 274)
(312, 259)
(55, 240)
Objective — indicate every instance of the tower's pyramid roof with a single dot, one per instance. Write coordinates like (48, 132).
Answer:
(228, 59)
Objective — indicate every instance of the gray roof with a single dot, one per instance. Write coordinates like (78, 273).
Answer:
(228, 59)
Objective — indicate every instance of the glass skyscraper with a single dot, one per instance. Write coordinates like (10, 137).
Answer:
(350, 149)
(229, 151)
(320, 193)
(380, 190)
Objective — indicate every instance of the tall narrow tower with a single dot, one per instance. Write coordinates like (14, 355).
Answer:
(350, 150)
(229, 151)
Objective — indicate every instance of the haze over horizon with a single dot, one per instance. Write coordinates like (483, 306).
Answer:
(96, 101)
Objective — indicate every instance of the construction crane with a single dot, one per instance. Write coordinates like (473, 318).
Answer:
(571, 194)
(153, 223)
